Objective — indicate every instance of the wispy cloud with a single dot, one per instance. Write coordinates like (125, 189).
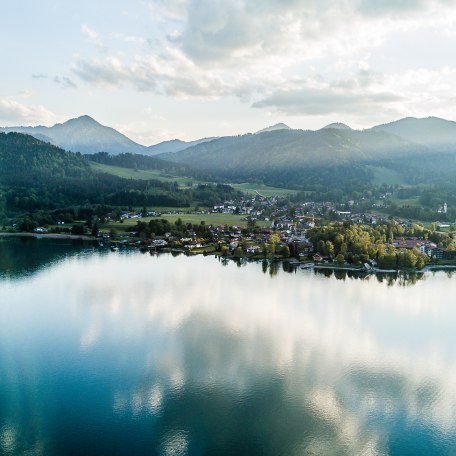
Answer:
(92, 35)
(131, 38)
(65, 82)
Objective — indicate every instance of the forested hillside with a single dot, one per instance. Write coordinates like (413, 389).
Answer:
(297, 158)
(38, 176)
(23, 156)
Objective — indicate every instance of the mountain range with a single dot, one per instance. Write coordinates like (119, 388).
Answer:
(83, 134)
(280, 155)
(86, 135)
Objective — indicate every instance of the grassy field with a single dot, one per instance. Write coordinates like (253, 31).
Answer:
(186, 182)
(128, 173)
(406, 201)
(262, 189)
(209, 219)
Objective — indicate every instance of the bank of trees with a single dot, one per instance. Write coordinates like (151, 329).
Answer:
(359, 243)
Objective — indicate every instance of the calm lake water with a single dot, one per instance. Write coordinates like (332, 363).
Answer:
(116, 353)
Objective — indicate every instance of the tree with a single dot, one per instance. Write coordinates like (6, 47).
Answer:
(113, 233)
(238, 252)
(274, 239)
(95, 229)
(77, 229)
(329, 248)
(340, 259)
(251, 224)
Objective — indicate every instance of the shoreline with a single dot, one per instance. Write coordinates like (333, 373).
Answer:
(76, 237)
(296, 263)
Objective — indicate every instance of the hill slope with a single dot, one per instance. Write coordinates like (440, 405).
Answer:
(22, 155)
(35, 176)
(297, 158)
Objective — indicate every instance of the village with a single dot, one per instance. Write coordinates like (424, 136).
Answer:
(312, 232)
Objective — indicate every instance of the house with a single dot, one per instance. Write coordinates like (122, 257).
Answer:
(410, 244)
(318, 257)
(254, 249)
(442, 254)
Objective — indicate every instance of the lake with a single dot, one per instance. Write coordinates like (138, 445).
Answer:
(115, 353)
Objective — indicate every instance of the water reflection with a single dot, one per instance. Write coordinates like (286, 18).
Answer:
(22, 256)
(402, 278)
(166, 355)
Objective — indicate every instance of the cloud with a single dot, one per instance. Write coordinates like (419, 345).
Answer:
(172, 75)
(299, 57)
(131, 38)
(65, 82)
(317, 101)
(360, 94)
(92, 35)
(13, 111)
(367, 94)
(215, 31)
(386, 7)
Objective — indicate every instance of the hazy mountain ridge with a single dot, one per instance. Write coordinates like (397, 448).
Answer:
(297, 147)
(82, 134)
(278, 126)
(283, 156)
(337, 126)
(88, 136)
(300, 158)
(432, 132)
(174, 145)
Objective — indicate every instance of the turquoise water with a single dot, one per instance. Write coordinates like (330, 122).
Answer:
(125, 353)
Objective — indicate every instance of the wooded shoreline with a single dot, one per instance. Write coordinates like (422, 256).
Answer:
(293, 262)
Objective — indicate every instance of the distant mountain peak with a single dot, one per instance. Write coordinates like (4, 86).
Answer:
(82, 120)
(278, 126)
(83, 134)
(87, 118)
(337, 126)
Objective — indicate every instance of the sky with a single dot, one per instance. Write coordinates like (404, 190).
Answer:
(164, 69)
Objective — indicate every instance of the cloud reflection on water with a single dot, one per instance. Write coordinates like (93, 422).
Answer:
(340, 361)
